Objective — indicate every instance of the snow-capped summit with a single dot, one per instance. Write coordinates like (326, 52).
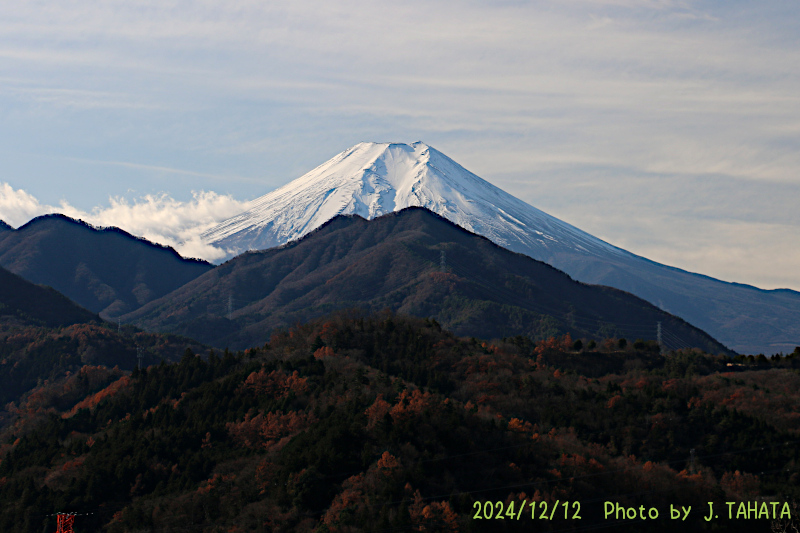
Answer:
(372, 179)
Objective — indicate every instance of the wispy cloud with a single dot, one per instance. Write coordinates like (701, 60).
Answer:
(167, 170)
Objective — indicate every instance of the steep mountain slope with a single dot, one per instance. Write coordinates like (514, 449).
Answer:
(394, 262)
(371, 179)
(23, 304)
(105, 270)
(5, 227)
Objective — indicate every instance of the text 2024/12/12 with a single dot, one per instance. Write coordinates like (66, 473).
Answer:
(567, 510)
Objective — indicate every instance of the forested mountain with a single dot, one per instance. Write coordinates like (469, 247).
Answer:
(32, 355)
(106, 270)
(389, 423)
(413, 262)
(44, 336)
(372, 179)
(23, 303)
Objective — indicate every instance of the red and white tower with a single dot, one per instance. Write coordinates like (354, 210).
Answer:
(64, 522)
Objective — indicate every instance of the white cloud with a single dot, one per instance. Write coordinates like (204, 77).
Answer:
(157, 218)
(18, 207)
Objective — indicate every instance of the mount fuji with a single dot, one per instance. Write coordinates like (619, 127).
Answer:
(373, 179)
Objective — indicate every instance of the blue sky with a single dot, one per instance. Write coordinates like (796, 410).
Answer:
(669, 128)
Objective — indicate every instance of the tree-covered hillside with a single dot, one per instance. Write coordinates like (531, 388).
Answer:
(413, 262)
(23, 303)
(388, 423)
(106, 270)
(30, 356)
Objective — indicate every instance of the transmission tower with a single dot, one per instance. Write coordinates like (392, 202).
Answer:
(442, 262)
(139, 355)
(64, 522)
(660, 343)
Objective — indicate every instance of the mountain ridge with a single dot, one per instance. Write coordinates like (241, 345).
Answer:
(106, 270)
(394, 262)
(370, 179)
(104, 229)
(25, 303)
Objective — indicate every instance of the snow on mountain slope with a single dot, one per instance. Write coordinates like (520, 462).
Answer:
(372, 179)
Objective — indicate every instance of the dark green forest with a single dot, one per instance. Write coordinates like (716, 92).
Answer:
(387, 423)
